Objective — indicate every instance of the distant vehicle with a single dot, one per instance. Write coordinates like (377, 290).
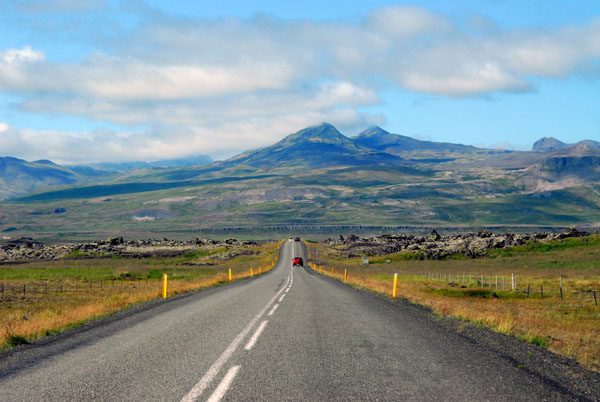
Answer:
(298, 261)
(297, 239)
(291, 239)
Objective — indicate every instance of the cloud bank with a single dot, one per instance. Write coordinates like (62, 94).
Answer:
(219, 86)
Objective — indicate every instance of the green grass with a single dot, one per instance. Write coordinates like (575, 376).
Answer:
(79, 253)
(538, 340)
(556, 245)
(15, 340)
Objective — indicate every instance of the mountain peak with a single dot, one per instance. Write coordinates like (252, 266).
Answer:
(373, 131)
(323, 133)
(547, 144)
(45, 162)
(323, 130)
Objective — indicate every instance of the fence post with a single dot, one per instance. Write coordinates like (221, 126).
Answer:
(513, 282)
(561, 292)
(595, 299)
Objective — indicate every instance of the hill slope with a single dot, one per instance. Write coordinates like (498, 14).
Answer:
(18, 176)
(379, 139)
(320, 179)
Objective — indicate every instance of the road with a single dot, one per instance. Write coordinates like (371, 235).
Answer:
(287, 335)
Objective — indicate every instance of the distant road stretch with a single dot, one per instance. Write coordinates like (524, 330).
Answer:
(288, 335)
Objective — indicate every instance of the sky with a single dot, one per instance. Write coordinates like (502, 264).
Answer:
(131, 80)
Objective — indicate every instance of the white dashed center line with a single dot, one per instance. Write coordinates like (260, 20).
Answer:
(224, 384)
(273, 309)
(212, 372)
(256, 335)
(281, 298)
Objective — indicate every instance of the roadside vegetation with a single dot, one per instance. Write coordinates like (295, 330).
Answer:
(43, 298)
(480, 290)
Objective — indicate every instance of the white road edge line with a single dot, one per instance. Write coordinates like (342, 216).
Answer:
(281, 298)
(273, 309)
(224, 385)
(256, 335)
(205, 381)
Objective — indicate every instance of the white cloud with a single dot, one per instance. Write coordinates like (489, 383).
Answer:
(220, 139)
(235, 84)
(20, 56)
(406, 21)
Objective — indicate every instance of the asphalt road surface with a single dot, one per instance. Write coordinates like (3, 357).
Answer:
(287, 335)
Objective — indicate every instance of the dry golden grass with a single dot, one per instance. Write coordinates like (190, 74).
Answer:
(570, 326)
(58, 301)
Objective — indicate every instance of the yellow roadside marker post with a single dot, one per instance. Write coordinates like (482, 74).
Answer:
(331, 270)
(229, 274)
(395, 290)
(345, 275)
(260, 270)
(251, 273)
(164, 286)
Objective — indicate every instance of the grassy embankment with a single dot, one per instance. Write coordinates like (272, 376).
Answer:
(570, 326)
(65, 293)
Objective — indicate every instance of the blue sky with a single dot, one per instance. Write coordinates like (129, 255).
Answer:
(112, 80)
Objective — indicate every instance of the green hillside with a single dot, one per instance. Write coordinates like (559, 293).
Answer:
(321, 181)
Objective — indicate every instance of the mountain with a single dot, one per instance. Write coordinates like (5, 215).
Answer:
(379, 139)
(163, 164)
(317, 146)
(547, 144)
(18, 176)
(320, 180)
(551, 144)
(189, 161)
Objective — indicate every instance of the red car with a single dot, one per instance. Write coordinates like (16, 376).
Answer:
(298, 261)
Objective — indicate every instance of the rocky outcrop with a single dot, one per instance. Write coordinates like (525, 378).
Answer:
(559, 164)
(26, 249)
(434, 246)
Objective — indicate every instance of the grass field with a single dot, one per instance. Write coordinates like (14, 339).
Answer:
(569, 325)
(42, 298)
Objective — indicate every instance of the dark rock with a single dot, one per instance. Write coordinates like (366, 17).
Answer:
(434, 235)
(115, 241)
